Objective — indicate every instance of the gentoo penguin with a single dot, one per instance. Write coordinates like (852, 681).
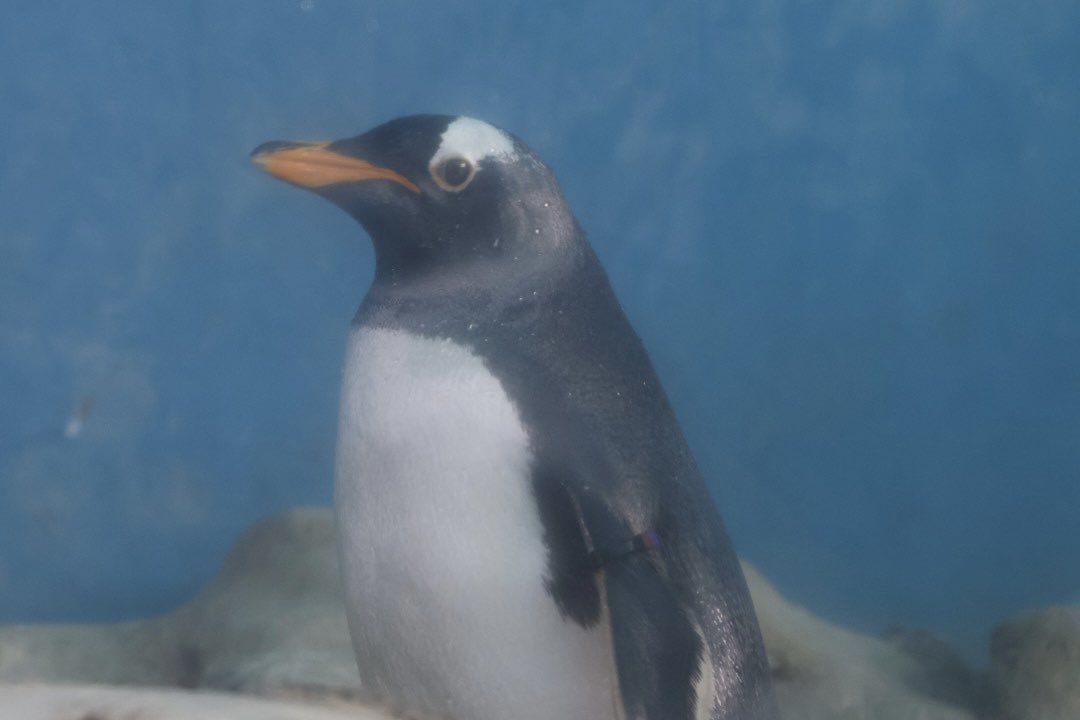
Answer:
(523, 531)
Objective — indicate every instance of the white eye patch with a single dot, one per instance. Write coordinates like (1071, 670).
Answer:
(473, 140)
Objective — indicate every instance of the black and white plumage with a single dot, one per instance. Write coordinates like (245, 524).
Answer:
(523, 531)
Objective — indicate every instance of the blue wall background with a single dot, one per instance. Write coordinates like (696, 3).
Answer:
(848, 231)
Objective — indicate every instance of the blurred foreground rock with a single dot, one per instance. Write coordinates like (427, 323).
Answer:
(272, 623)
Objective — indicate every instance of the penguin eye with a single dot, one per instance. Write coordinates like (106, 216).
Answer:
(453, 173)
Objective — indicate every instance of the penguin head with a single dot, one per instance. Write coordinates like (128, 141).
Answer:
(449, 199)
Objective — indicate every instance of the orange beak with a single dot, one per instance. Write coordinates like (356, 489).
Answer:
(311, 165)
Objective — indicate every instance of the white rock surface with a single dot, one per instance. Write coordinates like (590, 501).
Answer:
(97, 702)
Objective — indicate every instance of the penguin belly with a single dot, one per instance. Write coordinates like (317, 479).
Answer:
(442, 545)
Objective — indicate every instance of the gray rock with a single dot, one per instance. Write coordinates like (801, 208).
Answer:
(271, 622)
(940, 671)
(1035, 665)
(274, 616)
(823, 672)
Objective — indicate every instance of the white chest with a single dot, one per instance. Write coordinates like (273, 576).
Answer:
(442, 546)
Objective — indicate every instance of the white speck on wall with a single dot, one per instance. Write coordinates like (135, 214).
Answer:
(74, 427)
(474, 140)
(77, 420)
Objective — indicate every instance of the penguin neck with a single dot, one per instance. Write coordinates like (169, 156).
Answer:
(491, 298)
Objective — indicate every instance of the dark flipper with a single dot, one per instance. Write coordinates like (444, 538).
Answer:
(657, 650)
